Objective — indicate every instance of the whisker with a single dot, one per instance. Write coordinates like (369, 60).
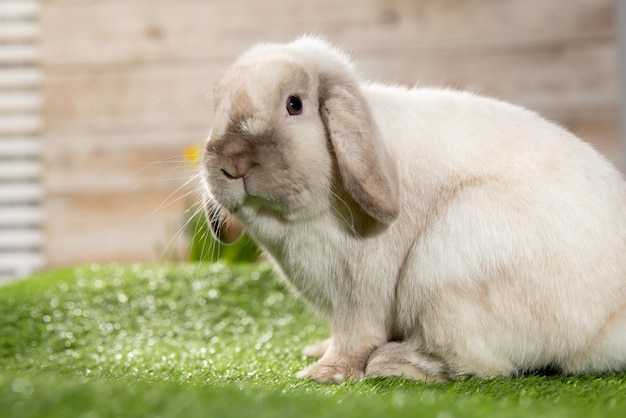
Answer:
(172, 241)
(349, 223)
(166, 202)
(204, 232)
(215, 217)
(194, 213)
(164, 179)
(178, 160)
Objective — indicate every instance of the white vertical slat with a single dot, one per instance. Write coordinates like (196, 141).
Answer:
(18, 31)
(17, 170)
(19, 264)
(19, 9)
(20, 124)
(12, 194)
(20, 147)
(21, 214)
(19, 78)
(18, 54)
(20, 101)
(21, 238)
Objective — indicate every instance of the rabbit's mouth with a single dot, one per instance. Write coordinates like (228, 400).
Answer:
(253, 208)
(274, 208)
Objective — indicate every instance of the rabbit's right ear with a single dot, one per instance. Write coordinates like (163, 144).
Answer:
(224, 226)
(367, 170)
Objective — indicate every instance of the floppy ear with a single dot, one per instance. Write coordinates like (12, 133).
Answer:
(367, 170)
(225, 227)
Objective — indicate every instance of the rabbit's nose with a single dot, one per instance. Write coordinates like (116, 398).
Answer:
(237, 168)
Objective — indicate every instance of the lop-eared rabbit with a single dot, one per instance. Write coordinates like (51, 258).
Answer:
(444, 234)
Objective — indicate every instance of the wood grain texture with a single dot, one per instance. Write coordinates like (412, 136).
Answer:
(145, 31)
(124, 227)
(125, 81)
(94, 163)
(160, 97)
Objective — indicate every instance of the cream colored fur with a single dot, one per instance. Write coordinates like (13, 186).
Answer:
(444, 234)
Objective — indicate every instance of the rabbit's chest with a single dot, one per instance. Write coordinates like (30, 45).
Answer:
(311, 266)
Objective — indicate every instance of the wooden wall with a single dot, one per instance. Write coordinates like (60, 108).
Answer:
(125, 84)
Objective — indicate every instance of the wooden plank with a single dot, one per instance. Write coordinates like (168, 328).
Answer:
(121, 130)
(19, 258)
(13, 170)
(123, 99)
(19, 9)
(137, 227)
(20, 147)
(18, 31)
(11, 216)
(14, 265)
(159, 97)
(20, 78)
(555, 77)
(14, 193)
(20, 124)
(20, 101)
(600, 129)
(174, 30)
(16, 239)
(88, 163)
(18, 54)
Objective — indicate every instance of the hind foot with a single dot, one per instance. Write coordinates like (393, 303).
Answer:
(398, 359)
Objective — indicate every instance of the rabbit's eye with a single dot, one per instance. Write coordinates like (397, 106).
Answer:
(294, 105)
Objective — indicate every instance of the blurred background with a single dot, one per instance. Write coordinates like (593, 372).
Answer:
(100, 100)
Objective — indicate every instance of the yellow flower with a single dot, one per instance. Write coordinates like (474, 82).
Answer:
(192, 154)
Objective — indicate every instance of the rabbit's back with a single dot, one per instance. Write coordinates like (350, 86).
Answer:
(518, 259)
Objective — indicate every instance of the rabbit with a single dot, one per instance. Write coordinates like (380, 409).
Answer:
(443, 234)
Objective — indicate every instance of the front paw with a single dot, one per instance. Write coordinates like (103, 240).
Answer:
(331, 373)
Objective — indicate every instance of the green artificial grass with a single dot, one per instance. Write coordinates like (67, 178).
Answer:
(220, 341)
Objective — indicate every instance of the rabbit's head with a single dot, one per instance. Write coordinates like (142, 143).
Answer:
(292, 134)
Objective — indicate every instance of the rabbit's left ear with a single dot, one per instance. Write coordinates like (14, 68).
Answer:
(367, 170)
